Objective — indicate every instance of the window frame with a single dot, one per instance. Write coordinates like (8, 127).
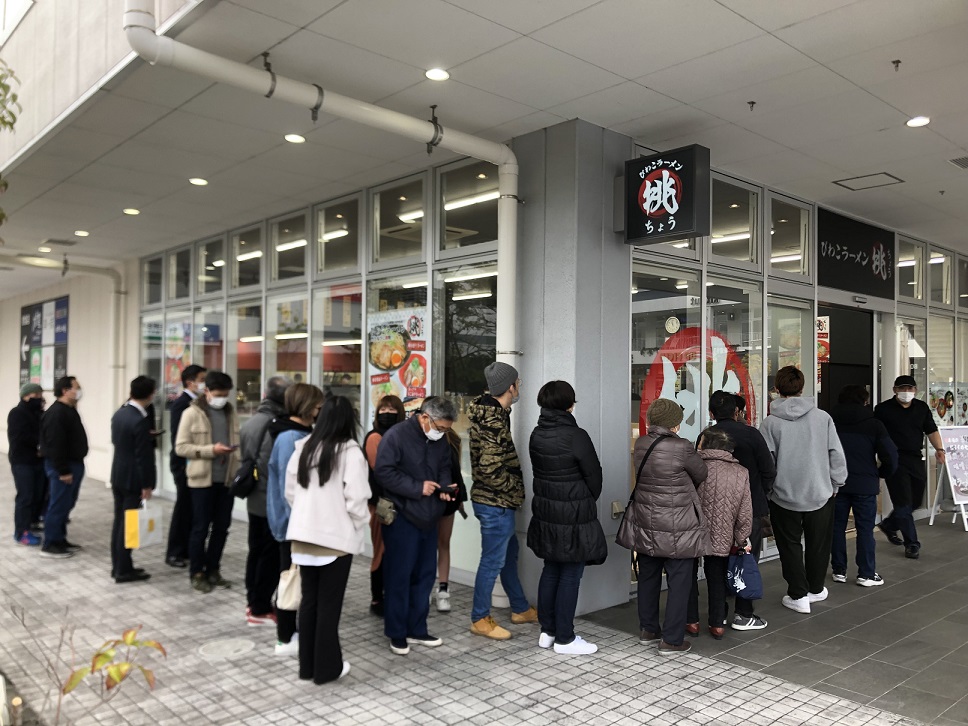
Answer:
(272, 281)
(198, 247)
(759, 218)
(809, 253)
(320, 275)
(233, 287)
(441, 254)
(428, 232)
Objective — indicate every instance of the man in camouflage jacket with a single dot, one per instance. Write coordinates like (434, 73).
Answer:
(497, 492)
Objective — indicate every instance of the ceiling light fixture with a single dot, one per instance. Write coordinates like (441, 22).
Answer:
(131, 211)
(786, 258)
(81, 233)
(474, 276)
(410, 216)
(291, 336)
(682, 286)
(335, 235)
(402, 198)
(249, 256)
(734, 206)
(907, 263)
(251, 339)
(482, 175)
(43, 249)
(198, 181)
(449, 206)
(412, 285)
(936, 260)
(437, 74)
(218, 263)
(731, 237)
(781, 221)
(471, 296)
(295, 244)
(356, 341)
(295, 138)
(918, 121)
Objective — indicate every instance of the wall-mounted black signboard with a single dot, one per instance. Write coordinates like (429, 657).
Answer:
(43, 342)
(667, 196)
(854, 256)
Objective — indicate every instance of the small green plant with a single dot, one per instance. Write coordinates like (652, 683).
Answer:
(110, 671)
(10, 109)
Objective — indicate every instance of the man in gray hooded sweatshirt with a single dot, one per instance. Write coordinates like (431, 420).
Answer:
(810, 468)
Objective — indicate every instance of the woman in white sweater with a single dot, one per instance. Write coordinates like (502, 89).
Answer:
(327, 485)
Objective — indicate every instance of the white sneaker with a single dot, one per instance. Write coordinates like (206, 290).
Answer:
(443, 601)
(839, 577)
(801, 605)
(818, 596)
(545, 640)
(346, 669)
(576, 647)
(870, 581)
(291, 648)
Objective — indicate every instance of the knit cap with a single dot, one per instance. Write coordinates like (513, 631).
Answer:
(665, 413)
(500, 377)
(29, 388)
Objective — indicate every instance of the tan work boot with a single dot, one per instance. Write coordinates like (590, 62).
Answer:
(489, 629)
(528, 616)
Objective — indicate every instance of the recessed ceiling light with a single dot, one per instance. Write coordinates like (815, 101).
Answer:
(295, 138)
(81, 233)
(403, 198)
(43, 249)
(734, 206)
(339, 216)
(198, 181)
(781, 221)
(918, 121)
(482, 175)
(131, 211)
(437, 74)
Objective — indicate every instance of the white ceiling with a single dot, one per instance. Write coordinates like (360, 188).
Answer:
(829, 105)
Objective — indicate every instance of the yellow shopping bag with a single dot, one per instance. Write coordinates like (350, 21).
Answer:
(142, 527)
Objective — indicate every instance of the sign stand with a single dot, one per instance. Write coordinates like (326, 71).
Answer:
(955, 440)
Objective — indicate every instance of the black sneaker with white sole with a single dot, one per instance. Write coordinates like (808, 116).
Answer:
(870, 581)
(56, 551)
(399, 646)
(429, 641)
(743, 623)
(839, 577)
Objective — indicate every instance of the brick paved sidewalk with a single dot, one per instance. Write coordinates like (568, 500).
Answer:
(468, 680)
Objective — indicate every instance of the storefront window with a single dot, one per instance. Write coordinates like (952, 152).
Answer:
(734, 228)
(962, 283)
(289, 247)
(209, 339)
(397, 331)
(398, 214)
(910, 258)
(941, 383)
(211, 266)
(911, 344)
(790, 341)
(287, 330)
(151, 274)
(178, 351)
(789, 238)
(678, 244)
(243, 360)
(338, 236)
(247, 257)
(734, 334)
(179, 274)
(961, 386)
(337, 342)
(469, 205)
(939, 277)
(666, 343)
(152, 365)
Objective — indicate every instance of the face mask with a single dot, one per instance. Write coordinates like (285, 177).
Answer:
(200, 388)
(37, 403)
(435, 435)
(386, 420)
(517, 395)
(218, 402)
(905, 396)
(77, 394)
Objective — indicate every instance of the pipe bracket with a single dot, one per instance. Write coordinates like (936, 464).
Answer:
(319, 102)
(438, 130)
(510, 352)
(268, 67)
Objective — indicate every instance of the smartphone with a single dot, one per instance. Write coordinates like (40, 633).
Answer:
(233, 446)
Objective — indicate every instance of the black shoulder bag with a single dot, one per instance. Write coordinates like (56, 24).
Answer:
(247, 477)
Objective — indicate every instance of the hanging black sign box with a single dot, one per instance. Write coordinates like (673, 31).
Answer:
(854, 256)
(667, 196)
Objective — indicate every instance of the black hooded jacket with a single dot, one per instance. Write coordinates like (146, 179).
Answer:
(567, 484)
(864, 437)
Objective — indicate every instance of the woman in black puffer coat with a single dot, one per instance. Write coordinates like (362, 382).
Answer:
(564, 530)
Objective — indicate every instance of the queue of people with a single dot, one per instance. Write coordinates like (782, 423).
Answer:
(318, 494)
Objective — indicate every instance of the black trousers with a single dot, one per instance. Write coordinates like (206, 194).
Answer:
(180, 529)
(323, 589)
(906, 487)
(285, 619)
(744, 607)
(679, 577)
(715, 570)
(261, 566)
(29, 480)
(211, 511)
(121, 563)
(804, 566)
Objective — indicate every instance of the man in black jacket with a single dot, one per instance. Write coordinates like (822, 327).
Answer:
(753, 453)
(413, 467)
(193, 385)
(63, 444)
(132, 471)
(865, 440)
(23, 437)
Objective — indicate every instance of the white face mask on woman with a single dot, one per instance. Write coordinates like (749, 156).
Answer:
(905, 396)
(218, 402)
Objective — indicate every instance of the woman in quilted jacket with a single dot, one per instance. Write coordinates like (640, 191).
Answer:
(728, 509)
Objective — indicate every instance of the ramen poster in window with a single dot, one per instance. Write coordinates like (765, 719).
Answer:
(398, 363)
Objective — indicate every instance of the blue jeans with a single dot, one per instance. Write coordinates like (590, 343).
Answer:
(499, 556)
(63, 497)
(409, 570)
(558, 599)
(865, 509)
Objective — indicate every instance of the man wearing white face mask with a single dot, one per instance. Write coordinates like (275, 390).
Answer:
(907, 420)
(208, 437)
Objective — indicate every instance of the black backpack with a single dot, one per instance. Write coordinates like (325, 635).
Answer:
(247, 477)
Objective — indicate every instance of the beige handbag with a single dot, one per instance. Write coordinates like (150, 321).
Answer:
(289, 594)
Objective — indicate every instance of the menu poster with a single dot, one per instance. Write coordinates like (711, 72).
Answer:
(178, 339)
(955, 439)
(43, 342)
(398, 361)
(823, 344)
(941, 400)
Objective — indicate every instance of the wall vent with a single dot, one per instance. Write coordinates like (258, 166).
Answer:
(961, 162)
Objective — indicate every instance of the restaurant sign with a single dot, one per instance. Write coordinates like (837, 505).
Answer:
(667, 196)
(854, 256)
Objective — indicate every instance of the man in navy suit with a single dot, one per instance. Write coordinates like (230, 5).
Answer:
(132, 471)
(193, 385)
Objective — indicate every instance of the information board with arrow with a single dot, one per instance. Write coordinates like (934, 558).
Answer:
(43, 342)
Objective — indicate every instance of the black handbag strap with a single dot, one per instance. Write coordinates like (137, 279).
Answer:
(645, 458)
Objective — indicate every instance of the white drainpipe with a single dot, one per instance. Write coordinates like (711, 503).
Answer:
(139, 26)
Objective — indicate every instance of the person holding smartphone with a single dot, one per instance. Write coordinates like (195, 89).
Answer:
(208, 438)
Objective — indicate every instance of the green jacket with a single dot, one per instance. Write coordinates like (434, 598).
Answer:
(494, 461)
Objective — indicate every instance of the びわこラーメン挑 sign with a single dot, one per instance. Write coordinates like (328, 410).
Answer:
(854, 256)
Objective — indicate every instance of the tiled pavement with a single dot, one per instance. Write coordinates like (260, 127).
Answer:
(902, 647)
(468, 680)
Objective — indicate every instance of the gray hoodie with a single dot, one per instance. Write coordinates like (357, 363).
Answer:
(810, 462)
